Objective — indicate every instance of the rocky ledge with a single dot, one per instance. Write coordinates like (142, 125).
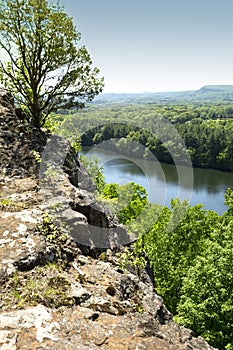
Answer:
(63, 285)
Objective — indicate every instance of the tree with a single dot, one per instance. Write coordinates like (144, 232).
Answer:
(173, 244)
(45, 70)
(128, 200)
(206, 302)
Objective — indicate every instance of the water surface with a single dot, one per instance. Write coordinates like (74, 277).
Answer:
(164, 181)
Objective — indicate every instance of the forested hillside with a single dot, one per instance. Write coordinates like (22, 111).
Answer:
(203, 119)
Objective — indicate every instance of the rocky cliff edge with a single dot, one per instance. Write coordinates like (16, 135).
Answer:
(63, 288)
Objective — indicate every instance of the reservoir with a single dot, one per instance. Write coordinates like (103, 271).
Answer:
(164, 181)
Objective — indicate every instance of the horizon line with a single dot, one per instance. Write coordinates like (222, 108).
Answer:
(165, 91)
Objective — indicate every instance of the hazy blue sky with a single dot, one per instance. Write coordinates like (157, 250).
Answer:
(157, 45)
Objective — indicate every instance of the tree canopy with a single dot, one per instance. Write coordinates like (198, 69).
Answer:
(44, 68)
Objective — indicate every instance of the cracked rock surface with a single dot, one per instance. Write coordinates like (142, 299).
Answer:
(110, 309)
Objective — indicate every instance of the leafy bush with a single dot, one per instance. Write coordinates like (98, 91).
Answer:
(127, 200)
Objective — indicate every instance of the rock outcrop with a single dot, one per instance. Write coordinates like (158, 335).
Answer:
(61, 282)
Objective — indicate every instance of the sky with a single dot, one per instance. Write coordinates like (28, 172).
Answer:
(157, 45)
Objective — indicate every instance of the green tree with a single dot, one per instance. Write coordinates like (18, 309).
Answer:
(128, 200)
(206, 302)
(44, 69)
(173, 243)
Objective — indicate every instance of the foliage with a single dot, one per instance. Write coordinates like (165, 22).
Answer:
(47, 285)
(206, 303)
(37, 156)
(7, 204)
(229, 200)
(57, 124)
(134, 257)
(128, 200)
(48, 229)
(95, 171)
(57, 238)
(192, 265)
(44, 70)
(205, 127)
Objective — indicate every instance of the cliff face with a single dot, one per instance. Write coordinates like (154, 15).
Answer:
(63, 288)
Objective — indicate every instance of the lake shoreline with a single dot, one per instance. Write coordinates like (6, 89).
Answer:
(163, 181)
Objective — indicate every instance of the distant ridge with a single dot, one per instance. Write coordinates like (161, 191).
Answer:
(205, 88)
(207, 93)
(216, 88)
